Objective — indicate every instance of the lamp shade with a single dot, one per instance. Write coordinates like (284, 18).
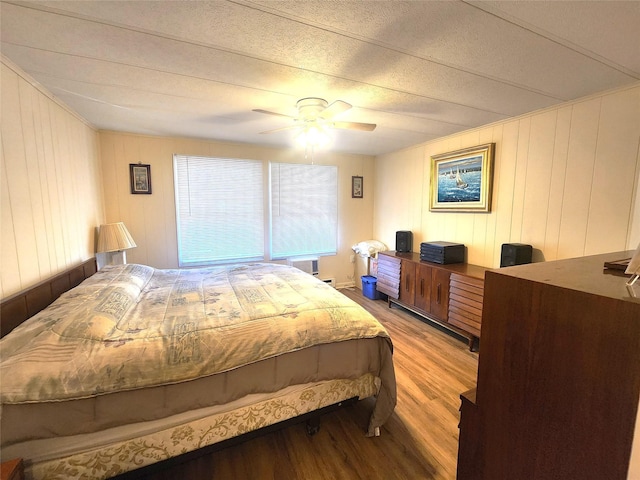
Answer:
(114, 237)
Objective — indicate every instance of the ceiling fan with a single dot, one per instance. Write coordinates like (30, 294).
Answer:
(315, 116)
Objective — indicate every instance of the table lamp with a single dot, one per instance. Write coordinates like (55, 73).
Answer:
(115, 239)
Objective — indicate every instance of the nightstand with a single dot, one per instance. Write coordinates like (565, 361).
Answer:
(12, 470)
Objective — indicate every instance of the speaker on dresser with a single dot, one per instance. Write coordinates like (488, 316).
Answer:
(404, 241)
(515, 254)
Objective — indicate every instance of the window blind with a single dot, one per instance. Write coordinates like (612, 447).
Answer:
(219, 210)
(304, 210)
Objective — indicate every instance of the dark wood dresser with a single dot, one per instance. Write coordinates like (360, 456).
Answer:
(449, 295)
(558, 374)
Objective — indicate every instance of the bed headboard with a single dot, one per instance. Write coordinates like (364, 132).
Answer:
(18, 307)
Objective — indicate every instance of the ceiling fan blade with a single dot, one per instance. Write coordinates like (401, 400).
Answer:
(364, 127)
(290, 127)
(272, 113)
(334, 109)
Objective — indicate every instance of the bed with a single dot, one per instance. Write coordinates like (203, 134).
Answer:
(137, 365)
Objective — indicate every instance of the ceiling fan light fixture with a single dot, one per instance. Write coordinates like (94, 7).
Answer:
(315, 119)
(313, 135)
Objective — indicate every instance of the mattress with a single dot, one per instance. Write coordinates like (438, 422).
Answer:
(34, 420)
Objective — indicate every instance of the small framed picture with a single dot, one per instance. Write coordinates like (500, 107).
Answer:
(140, 178)
(356, 187)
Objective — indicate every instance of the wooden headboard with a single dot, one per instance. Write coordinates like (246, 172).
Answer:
(18, 307)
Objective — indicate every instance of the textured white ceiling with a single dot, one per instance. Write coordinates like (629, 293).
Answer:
(418, 69)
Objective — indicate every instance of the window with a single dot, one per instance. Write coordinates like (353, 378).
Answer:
(304, 210)
(219, 210)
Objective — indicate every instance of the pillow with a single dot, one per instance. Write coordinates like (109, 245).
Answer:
(369, 248)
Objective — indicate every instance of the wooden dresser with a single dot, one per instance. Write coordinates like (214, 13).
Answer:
(449, 295)
(558, 375)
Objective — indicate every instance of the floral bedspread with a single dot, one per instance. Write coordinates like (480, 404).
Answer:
(132, 326)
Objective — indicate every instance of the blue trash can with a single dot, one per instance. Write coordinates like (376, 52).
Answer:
(369, 283)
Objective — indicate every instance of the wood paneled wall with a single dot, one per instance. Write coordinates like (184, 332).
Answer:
(566, 181)
(151, 219)
(50, 184)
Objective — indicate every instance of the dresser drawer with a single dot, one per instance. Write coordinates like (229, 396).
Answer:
(465, 303)
(389, 276)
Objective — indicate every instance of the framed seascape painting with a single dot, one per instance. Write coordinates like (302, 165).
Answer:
(461, 181)
(140, 178)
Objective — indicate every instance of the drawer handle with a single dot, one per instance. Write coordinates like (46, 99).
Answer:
(438, 296)
(422, 287)
(406, 286)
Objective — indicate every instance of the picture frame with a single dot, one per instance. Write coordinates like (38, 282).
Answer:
(140, 176)
(462, 181)
(357, 184)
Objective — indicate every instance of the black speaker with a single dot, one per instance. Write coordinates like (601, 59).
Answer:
(515, 254)
(404, 241)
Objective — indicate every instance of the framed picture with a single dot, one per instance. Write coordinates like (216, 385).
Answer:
(356, 187)
(140, 178)
(461, 181)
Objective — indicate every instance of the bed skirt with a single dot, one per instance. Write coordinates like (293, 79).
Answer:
(122, 449)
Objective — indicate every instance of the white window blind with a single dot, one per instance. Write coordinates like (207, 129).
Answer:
(304, 210)
(219, 209)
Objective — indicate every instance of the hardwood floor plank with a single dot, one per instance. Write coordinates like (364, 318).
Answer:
(419, 441)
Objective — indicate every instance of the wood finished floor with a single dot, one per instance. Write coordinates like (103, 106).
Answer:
(420, 440)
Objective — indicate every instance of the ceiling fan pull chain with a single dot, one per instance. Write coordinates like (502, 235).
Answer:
(306, 153)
